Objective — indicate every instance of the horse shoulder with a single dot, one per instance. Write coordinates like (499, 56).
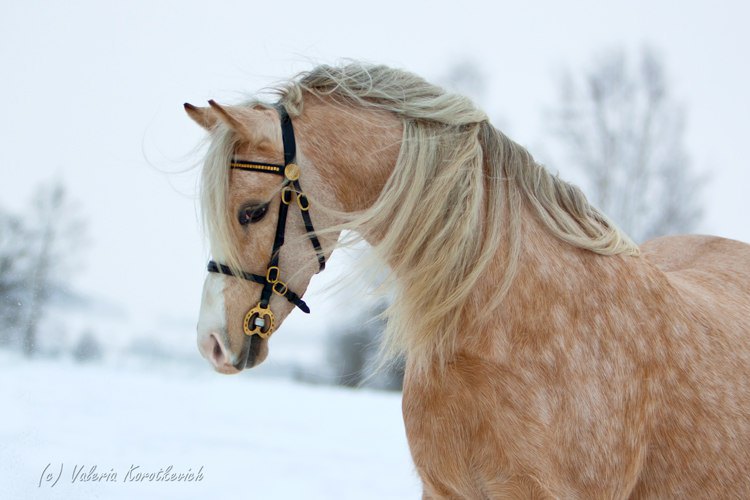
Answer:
(475, 431)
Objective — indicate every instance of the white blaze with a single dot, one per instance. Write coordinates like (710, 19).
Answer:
(212, 317)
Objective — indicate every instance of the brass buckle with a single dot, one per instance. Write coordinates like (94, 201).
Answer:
(259, 321)
(286, 195)
(303, 202)
(276, 274)
(282, 288)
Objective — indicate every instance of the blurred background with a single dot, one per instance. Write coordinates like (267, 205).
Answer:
(643, 104)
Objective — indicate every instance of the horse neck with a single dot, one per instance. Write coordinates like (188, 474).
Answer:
(354, 150)
(556, 290)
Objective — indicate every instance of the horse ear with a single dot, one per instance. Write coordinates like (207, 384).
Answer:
(228, 116)
(205, 117)
(244, 121)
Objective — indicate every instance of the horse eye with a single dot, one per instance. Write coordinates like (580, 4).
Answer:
(252, 215)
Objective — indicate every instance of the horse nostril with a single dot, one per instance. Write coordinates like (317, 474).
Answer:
(217, 351)
(218, 357)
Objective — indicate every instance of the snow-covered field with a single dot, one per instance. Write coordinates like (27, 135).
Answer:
(244, 436)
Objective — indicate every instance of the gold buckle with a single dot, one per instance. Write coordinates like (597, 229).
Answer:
(276, 277)
(259, 321)
(282, 291)
(303, 202)
(286, 190)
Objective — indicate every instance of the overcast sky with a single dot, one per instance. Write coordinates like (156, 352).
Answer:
(93, 95)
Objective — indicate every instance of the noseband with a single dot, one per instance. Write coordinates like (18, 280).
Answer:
(260, 319)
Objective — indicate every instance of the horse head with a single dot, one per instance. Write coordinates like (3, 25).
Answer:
(259, 222)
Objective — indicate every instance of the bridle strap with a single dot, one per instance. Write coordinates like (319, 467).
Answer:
(290, 156)
(287, 135)
(271, 281)
(256, 166)
(304, 205)
(278, 242)
(215, 267)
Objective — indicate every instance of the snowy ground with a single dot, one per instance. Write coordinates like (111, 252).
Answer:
(249, 436)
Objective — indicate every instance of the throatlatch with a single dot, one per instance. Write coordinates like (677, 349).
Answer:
(260, 320)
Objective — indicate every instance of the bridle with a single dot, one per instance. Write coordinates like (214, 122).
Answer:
(260, 320)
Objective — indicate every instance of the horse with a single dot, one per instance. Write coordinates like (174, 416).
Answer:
(547, 355)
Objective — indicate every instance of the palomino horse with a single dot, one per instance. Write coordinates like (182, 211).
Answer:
(547, 355)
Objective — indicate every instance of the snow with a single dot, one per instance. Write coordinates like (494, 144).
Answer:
(250, 436)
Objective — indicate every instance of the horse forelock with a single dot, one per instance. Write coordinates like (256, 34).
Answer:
(214, 195)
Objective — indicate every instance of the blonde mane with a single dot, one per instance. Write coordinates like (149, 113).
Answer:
(451, 207)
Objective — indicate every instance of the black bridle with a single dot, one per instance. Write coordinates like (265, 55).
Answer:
(260, 320)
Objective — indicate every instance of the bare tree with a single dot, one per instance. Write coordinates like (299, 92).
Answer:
(14, 256)
(54, 235)
(622, 130)
(353, 353)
